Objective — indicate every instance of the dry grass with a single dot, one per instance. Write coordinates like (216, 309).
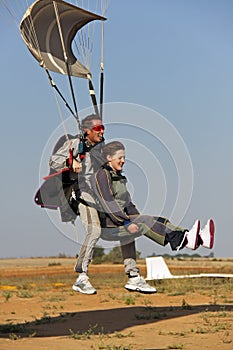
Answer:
(39, 310)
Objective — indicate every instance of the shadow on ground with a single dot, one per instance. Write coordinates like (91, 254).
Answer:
(103, 321)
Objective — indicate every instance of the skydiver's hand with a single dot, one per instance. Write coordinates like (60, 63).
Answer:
(133, 228)
(76, 166)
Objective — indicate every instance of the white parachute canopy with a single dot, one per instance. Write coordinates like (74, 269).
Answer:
(48, 29)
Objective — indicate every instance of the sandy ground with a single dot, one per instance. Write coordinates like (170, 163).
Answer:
(38, 309)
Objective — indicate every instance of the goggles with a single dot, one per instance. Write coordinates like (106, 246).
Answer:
(98, 128)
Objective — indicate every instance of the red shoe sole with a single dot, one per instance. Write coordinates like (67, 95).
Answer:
(198, 230)
(212, 229)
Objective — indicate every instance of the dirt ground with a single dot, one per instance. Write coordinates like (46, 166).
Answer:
(39, 310)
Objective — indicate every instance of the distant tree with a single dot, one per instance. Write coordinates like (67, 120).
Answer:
(98, 252)
(98, 255)
(114, 256)
(62, 255)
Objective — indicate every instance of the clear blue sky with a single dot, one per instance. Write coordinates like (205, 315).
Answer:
(171, 56)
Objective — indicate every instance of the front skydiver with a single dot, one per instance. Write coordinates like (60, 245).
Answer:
(121, 221)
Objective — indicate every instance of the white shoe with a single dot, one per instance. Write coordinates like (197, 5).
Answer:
(207, 234)
(82, 285)
(192, 236)
(138, 284)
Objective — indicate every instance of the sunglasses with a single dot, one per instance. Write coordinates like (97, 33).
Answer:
(98, 128)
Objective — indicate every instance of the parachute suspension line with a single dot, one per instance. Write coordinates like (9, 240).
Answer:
(73, 97)
(61, 117)
(60, 30)
(82, 42)
(67, 65)
(14, 9)
(31, 28)
(52, 83)
(85, 38)
(104, 9)
(102, 74)
(10, 12)
(91, 34)
(92, 94)
(33, 37)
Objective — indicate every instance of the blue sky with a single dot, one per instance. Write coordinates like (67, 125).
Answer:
(171, 56)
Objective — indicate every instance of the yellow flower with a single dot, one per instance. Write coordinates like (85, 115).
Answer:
(8, 287)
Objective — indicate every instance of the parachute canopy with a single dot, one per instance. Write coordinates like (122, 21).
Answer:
(48, 29)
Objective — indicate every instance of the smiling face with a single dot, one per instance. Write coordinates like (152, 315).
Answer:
(117, 160)
(95, 134)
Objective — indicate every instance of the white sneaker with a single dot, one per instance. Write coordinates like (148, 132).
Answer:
(207, 234)
(82, 285)
(138, 284)
(192, 236)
